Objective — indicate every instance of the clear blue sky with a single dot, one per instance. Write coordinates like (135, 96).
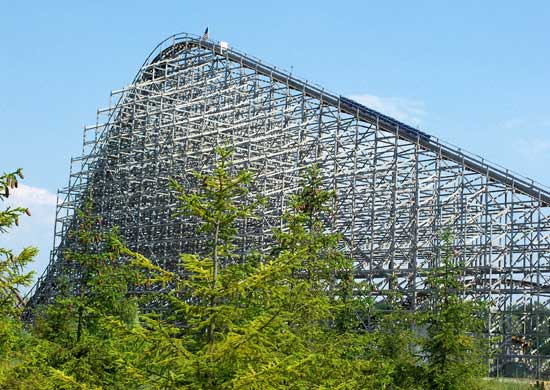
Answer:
(476, 74)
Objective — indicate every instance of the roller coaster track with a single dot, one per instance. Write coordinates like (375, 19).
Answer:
(479, 165)
(398, 187)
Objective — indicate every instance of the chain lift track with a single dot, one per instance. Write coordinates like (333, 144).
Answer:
(397, 188)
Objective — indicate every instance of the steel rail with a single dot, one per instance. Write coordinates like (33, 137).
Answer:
(348, 106)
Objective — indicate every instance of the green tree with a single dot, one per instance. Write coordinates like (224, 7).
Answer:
(216, 208)
(90, 336)
(455, 355)
(12, 266)
(253, 322)
(291, 317)
(15, 341)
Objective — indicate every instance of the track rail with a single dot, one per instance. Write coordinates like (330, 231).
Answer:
(476, 164)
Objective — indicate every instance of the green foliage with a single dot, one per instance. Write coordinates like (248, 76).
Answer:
(455, 357)
(254, 324)
(216, 208)
(88, 338)
(290, 318)
(12, 265)
(12, 278)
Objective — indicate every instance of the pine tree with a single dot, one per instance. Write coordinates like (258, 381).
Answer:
(268, 322)
(291, 317)
(12, 275)
(454, 352)
(91, 332)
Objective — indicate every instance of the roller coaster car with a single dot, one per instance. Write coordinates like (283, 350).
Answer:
(353, 107)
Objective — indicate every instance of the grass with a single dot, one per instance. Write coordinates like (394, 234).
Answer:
(508, 384)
